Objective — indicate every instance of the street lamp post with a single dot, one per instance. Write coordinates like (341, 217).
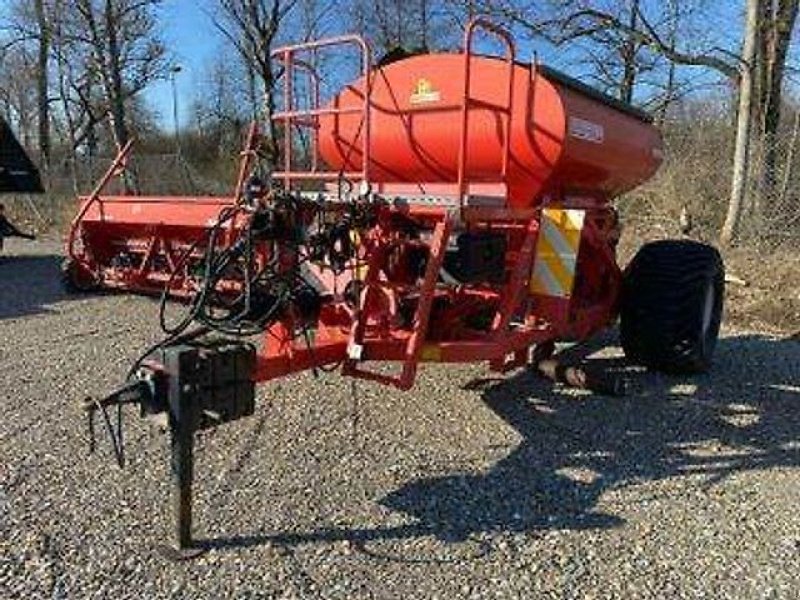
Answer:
(173, 72)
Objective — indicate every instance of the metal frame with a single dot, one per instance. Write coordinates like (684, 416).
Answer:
(360, 342)
(468, 102)
(290, 117)
(190, 382)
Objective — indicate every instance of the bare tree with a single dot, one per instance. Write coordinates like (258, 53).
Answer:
(252, 26)
(758, 78)
(221, 108)
(127, 54)
(741, 158)
(18, 91)
(410, 25)
(29, 26)
(42, 80)
(777, 20)
(607, 39)
(81, 106)
(671, 84)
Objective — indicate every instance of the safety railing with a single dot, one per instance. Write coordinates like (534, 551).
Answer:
(117, 168)
(292, 117)
(469, 102)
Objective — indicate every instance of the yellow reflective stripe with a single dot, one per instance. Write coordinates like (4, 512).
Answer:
(557, 252)
(563, 241)
(576, 219)
(544, 282)
(554, 260)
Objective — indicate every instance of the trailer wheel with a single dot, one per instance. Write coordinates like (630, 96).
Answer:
(75, 279)
(671, 306)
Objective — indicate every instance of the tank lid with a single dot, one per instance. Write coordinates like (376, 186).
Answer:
(595, 94)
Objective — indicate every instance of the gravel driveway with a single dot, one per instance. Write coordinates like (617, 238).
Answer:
(465, 487)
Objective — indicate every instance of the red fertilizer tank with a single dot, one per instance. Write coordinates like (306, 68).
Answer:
(565, 137)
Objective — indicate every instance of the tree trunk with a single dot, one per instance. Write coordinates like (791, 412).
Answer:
(268, 81)
(672, 68)
(629, 51)
(69, 121)
(790, 159)
(778, 20)
(252, 90)
(113, 79)
(741, 157)
(42, 84)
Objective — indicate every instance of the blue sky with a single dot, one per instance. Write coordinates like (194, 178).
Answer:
(193, 42)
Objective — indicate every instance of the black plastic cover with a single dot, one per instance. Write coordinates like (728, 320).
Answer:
(17, 171)
(479, 258)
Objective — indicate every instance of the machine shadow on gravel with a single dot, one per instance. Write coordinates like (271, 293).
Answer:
(29, 284)
(743, 416)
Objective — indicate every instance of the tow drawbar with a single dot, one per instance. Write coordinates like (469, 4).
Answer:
(190, 386)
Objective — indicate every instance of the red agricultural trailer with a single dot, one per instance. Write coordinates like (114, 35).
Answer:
(449, 207)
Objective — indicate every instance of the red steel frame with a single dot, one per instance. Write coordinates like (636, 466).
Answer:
(165, 229)
(467, 102)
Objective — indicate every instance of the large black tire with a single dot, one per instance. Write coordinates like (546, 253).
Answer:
(75, 279)
(671, 309)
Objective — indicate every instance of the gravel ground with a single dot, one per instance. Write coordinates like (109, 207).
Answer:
(466, 487)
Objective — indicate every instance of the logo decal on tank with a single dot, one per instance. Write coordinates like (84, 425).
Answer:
(581, 129)
(425, 93)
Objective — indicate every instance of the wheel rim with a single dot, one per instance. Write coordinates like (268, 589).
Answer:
(708, 310)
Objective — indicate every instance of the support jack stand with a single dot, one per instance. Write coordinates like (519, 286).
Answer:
(209, 383)
(184, 420)
(199, 385)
